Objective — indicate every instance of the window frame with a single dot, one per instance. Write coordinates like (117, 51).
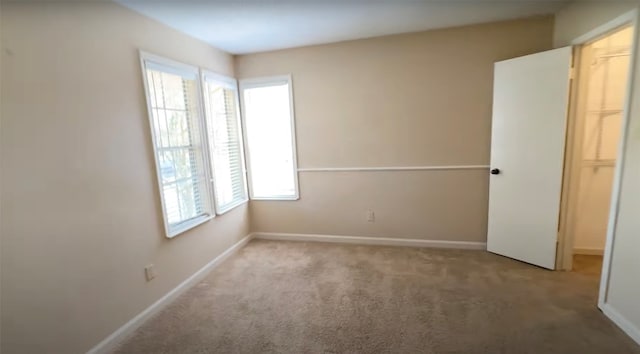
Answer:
(231, 83)
(179, 68)
(265, 82)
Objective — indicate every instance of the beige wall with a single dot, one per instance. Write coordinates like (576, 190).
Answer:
(81, 213)
(623, 292)
(417, 99)
(583, 16)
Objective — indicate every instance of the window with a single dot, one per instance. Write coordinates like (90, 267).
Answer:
(225, 144)
(179, 142)
(267, 109)
(198, 146)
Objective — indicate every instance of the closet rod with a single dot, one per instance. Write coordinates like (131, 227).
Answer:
(606, 56)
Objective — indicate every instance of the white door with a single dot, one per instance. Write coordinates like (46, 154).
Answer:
(530, 102)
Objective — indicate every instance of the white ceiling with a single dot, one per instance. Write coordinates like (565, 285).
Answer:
(248, 26)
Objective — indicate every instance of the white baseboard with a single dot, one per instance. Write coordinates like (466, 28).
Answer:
(111, 342)
(589, 251)
(362, 240)
(629, 328)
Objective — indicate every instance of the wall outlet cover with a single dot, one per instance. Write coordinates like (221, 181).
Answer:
(371, 216)
(149, 272)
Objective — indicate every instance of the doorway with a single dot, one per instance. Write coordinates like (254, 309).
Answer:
(559, 130)
(551, 122)
(602, 70)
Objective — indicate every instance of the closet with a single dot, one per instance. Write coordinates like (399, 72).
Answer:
(603, 69)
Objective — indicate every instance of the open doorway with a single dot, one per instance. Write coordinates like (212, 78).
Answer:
(552, 177)
(598, 108)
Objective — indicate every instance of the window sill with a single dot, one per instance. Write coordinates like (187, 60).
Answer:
(231, 207)
(280, 198)
(173, 231)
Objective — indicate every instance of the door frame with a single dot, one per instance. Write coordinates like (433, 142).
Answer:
(565, 238)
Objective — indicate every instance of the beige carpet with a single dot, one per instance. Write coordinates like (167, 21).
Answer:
(288, 297)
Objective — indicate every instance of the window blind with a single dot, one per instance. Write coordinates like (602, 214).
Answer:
(225, 143)
(175, 117)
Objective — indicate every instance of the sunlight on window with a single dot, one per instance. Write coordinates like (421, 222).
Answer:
(269, 140)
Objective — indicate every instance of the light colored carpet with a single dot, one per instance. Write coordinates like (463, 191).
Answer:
(289, 297)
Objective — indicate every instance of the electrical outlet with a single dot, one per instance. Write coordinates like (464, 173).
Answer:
(149, 272)
(371, 216)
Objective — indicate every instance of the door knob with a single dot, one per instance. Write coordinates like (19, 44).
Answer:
(495, 171)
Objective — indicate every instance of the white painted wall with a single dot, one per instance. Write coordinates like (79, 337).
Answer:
(622, 298)
(592, 217)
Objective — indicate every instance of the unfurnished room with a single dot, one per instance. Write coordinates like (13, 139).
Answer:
(306, 176)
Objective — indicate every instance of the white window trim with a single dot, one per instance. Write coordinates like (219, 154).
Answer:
(181, 68)
(261, 82)
(232, 84)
